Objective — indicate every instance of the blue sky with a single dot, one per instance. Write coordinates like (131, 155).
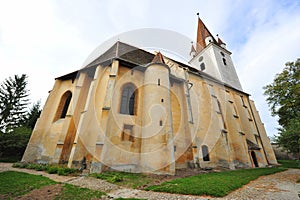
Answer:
(46, 39)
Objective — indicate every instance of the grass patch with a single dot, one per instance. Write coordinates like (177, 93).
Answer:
(132, 180)
(289, 163)
(213, 184)
(75, 192)
(51, 169)
(13, 184)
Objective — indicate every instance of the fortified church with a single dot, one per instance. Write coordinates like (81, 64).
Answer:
(132, 110)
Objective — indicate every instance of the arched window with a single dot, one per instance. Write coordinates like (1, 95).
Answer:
(63, 105)
(205, 153)
(128, 100)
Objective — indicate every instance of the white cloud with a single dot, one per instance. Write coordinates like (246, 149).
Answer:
(271, 43)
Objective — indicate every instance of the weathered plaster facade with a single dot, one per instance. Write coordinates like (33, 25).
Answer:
(134, 111)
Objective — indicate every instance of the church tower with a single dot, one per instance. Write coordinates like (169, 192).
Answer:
(212, 57)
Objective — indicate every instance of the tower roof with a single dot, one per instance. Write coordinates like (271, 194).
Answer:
(202, 33)
(158, 58)
(220, 41)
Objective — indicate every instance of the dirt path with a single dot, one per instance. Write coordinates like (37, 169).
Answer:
(277, 186)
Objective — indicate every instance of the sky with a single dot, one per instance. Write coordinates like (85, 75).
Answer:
(49, 38)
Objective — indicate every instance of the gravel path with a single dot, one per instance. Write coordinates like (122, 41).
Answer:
(277, 186)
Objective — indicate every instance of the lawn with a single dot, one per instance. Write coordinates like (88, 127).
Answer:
(290, 163)
(132, 180)
(75, 192)
(218, 184)
(213, 184)
(13, 184)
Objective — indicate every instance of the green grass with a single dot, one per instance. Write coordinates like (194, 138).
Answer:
(13, 184)
(133, 180)
(75, 192)
(290, 163)
(213, 184)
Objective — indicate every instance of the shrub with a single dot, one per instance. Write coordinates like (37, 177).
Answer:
(52, 169)
(115, 179)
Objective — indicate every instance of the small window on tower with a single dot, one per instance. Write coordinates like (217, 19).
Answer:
(202, 66)
(200, 58)
(222, 54)
(224, 61)
(160, 123)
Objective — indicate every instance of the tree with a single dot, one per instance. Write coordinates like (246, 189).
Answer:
(13, 102)
(284, 101)
(289, 137)
(32, 115)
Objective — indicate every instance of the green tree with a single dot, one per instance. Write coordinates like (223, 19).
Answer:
(13, 102)
(283, 97)
(32, 115)
(289, 137)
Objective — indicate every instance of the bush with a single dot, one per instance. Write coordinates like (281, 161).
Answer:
(66, 171)
(52, 169)
(115, 179)
(14, 143)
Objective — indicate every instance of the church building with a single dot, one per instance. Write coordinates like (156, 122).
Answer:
(136, 111)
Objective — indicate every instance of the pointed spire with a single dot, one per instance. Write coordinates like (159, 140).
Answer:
(220, 41)
(193, 50)
(158, 58)
(202, 34)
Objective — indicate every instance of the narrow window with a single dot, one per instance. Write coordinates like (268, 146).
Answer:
(205, 153)
(202, 66)
(158, 82)
(160, 122)
(220, 112)
(131, 72)
(127, 133)
(249, 115)
(235, 114)
(224, 61)
(63, 106)
(162, 100)
(243, 102)
(127, 100)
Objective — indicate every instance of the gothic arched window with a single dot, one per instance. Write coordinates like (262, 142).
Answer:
(128, 100)
(205, 153)
(63, 105)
